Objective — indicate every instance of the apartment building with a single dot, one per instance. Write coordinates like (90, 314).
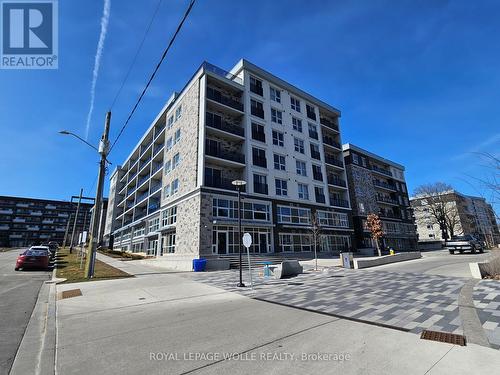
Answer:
(468, 215)
(27, 221)
(173, 195)
(378, 185)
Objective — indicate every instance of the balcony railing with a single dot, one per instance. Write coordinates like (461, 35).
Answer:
(384, 185)
(333, 161)
(222, 73)
(389, 214)
(143, 163)
(381, 198)
(157, 148)
(329, 124)
(142, 196)
(142, 179)
(130, 204)
(221, 183)
(339, 202)
(145, 146)
(331, 142)
(159, 129)
(153, 207)
(256, 111)
(228, 155)
(217, 96)
(216, 122)
(382, 170)
(155, 187)
(131, 191)
(337, 181)
(156, 167)
(140, 215)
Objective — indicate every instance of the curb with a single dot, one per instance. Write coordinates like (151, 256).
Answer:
(36, 353)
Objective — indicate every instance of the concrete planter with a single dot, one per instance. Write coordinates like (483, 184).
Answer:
(386, 259)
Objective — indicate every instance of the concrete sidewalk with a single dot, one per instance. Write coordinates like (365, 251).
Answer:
(160, 323)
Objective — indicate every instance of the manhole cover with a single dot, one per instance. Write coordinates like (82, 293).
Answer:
(450, 338)
(71, 293)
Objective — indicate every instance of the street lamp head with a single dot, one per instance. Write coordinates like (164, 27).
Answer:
(239, 183)
(65, 132)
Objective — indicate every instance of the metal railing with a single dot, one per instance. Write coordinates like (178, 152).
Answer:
(217, 96)
(329, 124)
(216, 122)
(384, 185)
(381, 170)
(331, 142)
(339, 202)
(222, 73)
(221, 183)
(381, 198)
(337, 181)
(333, 161)
(223, 154)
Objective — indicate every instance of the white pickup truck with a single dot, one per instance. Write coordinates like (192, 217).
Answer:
(462, 243)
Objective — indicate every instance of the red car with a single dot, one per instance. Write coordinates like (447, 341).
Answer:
(34, 257)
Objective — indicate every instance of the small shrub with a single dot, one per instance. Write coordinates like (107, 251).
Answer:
(492, 268)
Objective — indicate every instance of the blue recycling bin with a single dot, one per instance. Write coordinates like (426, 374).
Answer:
(199, 265)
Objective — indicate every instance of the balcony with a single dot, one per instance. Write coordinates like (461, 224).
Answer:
(389, 200)
(216, 122)
(153, 207)
(157, 148)
(384, 185)
(221, 183)
(338, 202)
(389, 214)
(145, 146)
(6, 212)
(140, 215)
(383, 171)
(50, 207)
(331, 142)
(222, 73)
(218, 97)
(336, 181)
(156, 167)
(143, 163)
(226, 155)
(129, 204)
(329, 124)
(142, 179)
(256, 111)
(159, 129)
(260, 188)
(39, 213)
(19, 220)
(131, 191)
(333, 161)
(142, 196)
(155, 187)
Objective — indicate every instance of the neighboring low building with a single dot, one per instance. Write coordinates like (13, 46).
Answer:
(27, 221)
(378, 186)
(470, 215)
(173, 196)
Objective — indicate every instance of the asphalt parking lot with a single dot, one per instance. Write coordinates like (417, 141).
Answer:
(18, 295)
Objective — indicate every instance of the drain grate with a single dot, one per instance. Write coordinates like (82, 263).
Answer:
(71, 293)
(449, 338)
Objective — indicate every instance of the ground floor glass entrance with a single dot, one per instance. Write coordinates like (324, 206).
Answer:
(225, 239)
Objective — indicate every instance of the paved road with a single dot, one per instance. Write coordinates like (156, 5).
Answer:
(440, 263)
(18, 295)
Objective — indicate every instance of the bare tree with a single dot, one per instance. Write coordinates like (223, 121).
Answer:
(375, 227)
(441, 211)
(490, 183)
(316, 235)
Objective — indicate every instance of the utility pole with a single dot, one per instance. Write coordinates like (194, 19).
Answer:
(74, 223)
(67, 229)
(96, 212)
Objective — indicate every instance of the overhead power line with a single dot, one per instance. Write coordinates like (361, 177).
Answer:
(171, 42)
(153, 16)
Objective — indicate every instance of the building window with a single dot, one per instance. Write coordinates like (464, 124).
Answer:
(275, 94)
(297, 124)
(259, 157)
(333, 219)
(301, 168)
(361, 208)
(315, 151)
(177, 136)
(293, 215)
(258, 132)
(154, 225)
(170, 122)
(355, 158)
(313, 131)
(225, 208)
(170, 243)
(299, 145)
(310, 112)
(276, 116)
(169, 144)
(319, 192)
(363, 161)
(331, 243)
(175, 186)
(278, 139)
(166, 191)
(259, 184)
(169, 216)
(317, 173)
(295, 242)
(295, 104)
(176, 160)
(303, 191)
(256, 86)
(281, 187)
(279, 162)
(178, 112)
(256, 108)
(168, 167)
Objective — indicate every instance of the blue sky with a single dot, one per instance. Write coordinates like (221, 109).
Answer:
(417, 82)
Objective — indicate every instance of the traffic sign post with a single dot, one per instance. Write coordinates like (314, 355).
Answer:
(247, 242)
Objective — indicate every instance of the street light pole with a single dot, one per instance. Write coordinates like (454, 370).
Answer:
(103, 151)
(74, 222)
(239, 184)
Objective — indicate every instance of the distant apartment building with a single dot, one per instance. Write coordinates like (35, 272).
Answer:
(27, 221)
(173, 196)
(471, 215)
(378, 186)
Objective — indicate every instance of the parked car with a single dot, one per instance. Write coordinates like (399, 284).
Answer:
(52, 246)
(34, 257)
(462, 243)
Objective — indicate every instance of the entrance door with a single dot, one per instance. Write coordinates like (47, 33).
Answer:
(222, 242)
(263, 242)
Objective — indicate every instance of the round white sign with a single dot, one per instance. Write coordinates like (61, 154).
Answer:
(247, 240)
